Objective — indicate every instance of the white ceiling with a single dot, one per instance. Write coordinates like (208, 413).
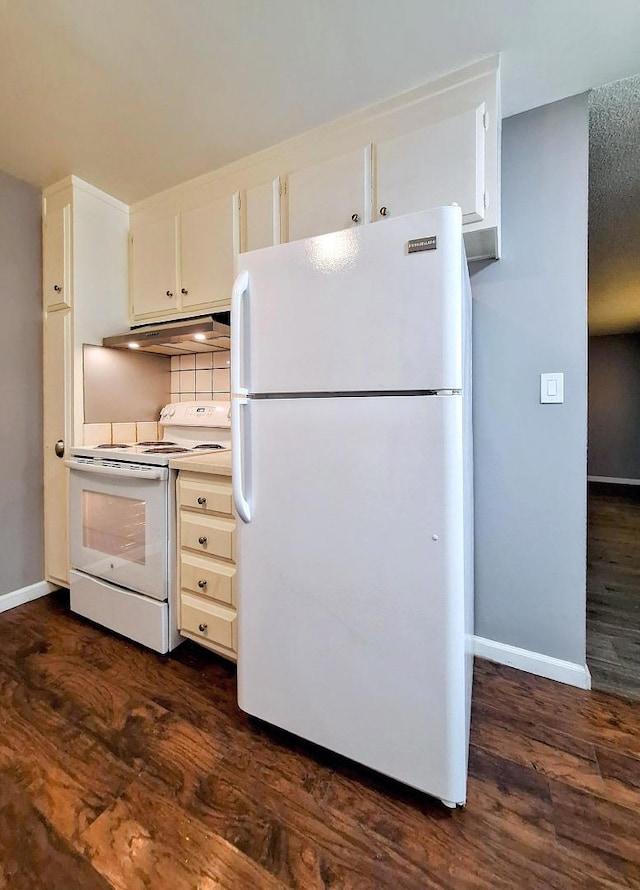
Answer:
(138, 95)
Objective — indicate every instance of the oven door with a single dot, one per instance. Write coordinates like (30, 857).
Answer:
(119, 524)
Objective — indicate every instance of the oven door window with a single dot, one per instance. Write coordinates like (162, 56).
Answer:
(120, 530)
(114, 526)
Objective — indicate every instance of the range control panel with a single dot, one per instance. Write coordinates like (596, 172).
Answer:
(209, 413)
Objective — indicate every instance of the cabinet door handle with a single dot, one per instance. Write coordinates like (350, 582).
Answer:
(383, 211)
(355, 217)
(202, 584)
(202, 501)
(57, 288)
(169, 293)
(184, 291)
(59, 448)
(202, 627)
(202, 540)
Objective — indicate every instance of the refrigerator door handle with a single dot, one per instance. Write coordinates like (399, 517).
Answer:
(238, 394)
(238, 343)
(243, 508)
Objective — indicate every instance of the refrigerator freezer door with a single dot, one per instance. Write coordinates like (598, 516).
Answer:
(351, 582)
(355, 311)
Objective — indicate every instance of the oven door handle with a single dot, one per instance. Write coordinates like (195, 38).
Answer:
(130, 473)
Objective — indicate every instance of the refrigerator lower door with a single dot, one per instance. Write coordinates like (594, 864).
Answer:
(351, 581)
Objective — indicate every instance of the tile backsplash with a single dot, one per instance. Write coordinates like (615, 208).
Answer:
(104, 433)
(203, 375)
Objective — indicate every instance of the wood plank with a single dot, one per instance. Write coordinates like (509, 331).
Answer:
(613, 590)
(32, 855)
(145, 841)
(128, 769)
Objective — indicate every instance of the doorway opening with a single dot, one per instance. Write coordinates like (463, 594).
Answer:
(613, 514)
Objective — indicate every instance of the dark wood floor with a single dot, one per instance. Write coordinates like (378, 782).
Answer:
(613, 589)
(124, 769)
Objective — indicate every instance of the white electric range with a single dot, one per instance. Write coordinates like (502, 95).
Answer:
(123, 524)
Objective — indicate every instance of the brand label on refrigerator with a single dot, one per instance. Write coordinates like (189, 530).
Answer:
(418, 244)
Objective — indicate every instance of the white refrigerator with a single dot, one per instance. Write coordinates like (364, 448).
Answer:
(352, 476)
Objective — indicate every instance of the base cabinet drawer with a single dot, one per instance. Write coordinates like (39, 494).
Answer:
(207, 534)
(209, 622)
(207, 577)
(205, 495)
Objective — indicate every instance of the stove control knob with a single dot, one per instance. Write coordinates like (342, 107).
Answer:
(202, 501)
(202, 584)
(202, 628)
(171, 412)
(202, 540)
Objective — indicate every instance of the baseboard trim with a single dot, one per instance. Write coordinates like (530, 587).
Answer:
(613, 480)
(534, 662)
(25, 595)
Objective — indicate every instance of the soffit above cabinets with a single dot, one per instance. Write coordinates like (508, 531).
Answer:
(136, 97)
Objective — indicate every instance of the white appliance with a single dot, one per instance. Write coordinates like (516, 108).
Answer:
(352, 473)
(122, 524)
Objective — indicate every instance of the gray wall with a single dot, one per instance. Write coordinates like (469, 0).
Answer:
(614, 406)
(530, 459)
(21, 518)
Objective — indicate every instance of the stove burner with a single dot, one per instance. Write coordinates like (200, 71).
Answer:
(115, 445)
(212, 447)
(172, 450)
(144, 444)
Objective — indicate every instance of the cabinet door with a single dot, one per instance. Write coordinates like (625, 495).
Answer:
(154, 269)
(260, 215)
(56, 258)
(437, 165)
(327, 197)
(206, 252)
(57, 427)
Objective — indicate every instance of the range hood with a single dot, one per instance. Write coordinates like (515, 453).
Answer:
(208, 333)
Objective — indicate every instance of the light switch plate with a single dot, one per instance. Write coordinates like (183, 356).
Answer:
(552, 388)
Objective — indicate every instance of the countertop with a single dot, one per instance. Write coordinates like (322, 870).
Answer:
(219, 464)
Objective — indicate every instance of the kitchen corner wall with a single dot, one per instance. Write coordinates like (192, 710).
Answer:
(21, 502)
(530, 316)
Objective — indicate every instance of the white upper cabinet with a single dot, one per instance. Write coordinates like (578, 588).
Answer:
(329, 196)
(56, 248)
(260, 216)
(183, 264)
(154, 274)
(206, 254)
(434, 145)
(433, 166)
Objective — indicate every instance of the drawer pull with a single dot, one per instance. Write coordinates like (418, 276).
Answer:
(202, 627)
(202, 540)
(202, 501)
(202, 584)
